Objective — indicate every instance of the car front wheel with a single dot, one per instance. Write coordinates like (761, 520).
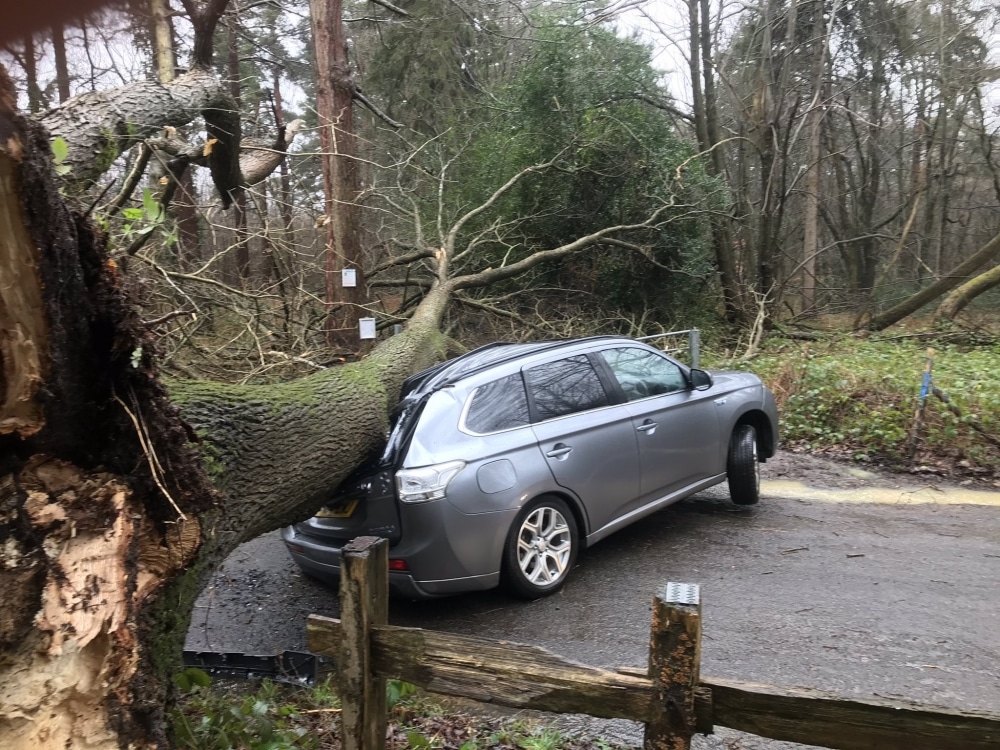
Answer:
(742, 466)
(541, 548)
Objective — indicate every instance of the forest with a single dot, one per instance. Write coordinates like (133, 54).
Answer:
(230, 229)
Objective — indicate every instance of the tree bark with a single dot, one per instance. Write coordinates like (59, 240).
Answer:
(99, 125)
(814, 164)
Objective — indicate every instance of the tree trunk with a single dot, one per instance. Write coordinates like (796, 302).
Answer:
(814, 159)
(981, 257)
(955, 302)
(62, 69)
(31, 75)
(163, 40)
(286, 183)
(110, 521)
(242, 238)
(706, 114)
(341, 177)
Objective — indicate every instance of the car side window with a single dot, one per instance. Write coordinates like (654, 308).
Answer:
(565, 387)
(642, 373)
(500, 405)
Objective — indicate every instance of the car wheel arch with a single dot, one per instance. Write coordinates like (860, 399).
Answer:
(762, 426)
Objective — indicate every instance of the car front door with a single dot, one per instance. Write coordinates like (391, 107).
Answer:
(590, 444)
(676, 426)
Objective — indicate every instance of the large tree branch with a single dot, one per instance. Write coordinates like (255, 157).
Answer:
(402, 260)
(497, 194)
(98, 126)
(493, 275)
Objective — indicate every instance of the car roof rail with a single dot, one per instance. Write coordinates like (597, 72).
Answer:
(450, 372)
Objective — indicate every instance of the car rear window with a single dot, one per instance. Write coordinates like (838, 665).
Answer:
(500, 405)
(565, 387)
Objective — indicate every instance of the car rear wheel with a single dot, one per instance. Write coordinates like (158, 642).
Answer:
(541, 548)
(742, 466)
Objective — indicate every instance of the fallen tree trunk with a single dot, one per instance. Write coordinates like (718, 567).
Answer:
(959, 298)
(956, 276)
(112, 508)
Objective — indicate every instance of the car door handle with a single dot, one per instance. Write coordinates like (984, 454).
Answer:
(559, 452)
(647, 426)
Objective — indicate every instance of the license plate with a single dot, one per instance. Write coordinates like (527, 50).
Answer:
(340, 510)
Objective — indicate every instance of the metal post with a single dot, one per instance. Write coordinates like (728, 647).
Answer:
(694, 347)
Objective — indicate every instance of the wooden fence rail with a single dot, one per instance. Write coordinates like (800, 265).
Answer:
(671, 698)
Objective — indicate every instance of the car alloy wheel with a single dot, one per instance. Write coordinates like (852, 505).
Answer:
(541, 549)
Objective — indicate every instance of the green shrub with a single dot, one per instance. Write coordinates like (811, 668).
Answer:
(859, 397)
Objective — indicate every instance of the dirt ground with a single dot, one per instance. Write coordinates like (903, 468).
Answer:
(829, 473)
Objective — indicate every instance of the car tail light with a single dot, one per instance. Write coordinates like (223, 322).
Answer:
(426, 483)
(398, 565)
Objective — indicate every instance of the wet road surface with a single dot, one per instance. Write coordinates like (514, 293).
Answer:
(882, 590)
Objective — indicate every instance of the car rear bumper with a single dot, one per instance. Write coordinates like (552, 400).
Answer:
(323, 562)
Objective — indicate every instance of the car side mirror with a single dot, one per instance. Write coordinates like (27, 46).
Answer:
(700, 380)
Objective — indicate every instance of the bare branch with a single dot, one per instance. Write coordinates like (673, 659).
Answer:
(375, 110)
(493, 275)
(394, 8)
(402, 260)
(497, 194)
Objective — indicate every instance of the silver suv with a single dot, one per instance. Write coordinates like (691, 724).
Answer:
(503, 463)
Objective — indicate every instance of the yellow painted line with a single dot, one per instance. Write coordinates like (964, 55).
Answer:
(912, 495)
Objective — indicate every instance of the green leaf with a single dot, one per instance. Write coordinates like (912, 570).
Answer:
(183, 682)
(417, 740)
(60, 150)
(152, 207)
(197, 676)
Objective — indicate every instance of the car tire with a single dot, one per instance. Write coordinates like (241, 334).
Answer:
(743, 467)
(541, 548)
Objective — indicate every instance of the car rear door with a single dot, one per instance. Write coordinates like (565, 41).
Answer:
(677, 427)
(589, 443)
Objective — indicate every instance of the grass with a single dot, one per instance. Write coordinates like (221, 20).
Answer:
(271, 716)
(856, 398)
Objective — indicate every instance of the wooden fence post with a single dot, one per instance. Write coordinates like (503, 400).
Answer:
(364, 597)
(674, 657)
